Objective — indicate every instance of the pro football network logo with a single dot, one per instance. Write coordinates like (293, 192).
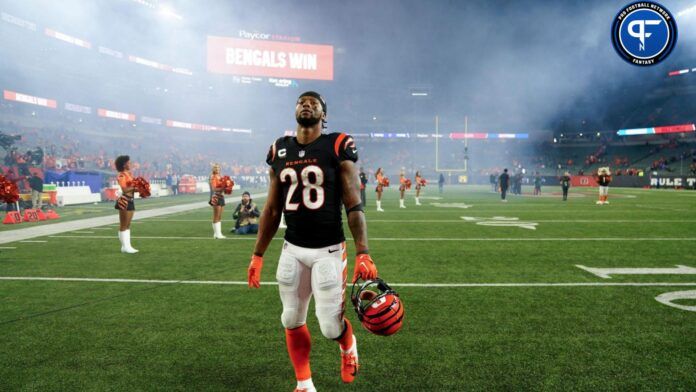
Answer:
(644, 33)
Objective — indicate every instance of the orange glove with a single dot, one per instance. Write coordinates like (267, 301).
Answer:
(365, 268)
(255, 271)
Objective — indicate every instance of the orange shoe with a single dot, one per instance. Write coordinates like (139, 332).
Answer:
(349, 363)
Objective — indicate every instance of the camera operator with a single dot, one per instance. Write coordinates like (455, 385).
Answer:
(246, 214)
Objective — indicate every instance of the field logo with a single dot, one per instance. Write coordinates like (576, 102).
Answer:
(501, 221)
(644, 33)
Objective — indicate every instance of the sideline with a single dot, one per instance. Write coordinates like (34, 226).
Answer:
(81, 224)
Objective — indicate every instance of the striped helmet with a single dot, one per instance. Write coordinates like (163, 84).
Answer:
(380, 312)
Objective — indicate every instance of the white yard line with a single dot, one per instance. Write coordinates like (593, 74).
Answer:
(63, 227)
(34, 241)
(8, 247)
(463, 221)
(428, 285)
(253, 238)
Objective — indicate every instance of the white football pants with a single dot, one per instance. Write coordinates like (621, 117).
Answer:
(322, 272)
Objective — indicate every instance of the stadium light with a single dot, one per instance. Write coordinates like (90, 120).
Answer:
(419, 94)
(168, 12)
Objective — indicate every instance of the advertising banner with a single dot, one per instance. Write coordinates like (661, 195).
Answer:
(30, 99)
(117, 115)
(582, 181)
(673, 182)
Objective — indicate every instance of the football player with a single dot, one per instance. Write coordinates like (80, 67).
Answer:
(217, 200)
(312, 177)
(379, 175)
(565, 185)
(125, 204)
(420, 182)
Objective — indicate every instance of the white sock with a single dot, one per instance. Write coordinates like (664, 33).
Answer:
(214, 229)
(417, 200)
(379, 204)
(120, 237)
(401, 202)
(305, 384)
(218, 229)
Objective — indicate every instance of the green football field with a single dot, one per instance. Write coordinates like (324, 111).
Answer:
(493, 294)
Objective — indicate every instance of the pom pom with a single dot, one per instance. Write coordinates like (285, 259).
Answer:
(142, 187)
(227, 184)
(9, 193)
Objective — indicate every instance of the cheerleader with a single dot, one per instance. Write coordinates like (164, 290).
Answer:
(402, 189)
(125, 204)
(380, 188)
(217, 201)
(419, 185)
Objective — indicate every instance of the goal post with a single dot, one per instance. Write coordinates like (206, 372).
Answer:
(440, 169)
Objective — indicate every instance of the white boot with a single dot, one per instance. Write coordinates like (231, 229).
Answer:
(401, 203)
(379, 206)
(217, 231)
(120, 239)
(127, 248)
(417, 202)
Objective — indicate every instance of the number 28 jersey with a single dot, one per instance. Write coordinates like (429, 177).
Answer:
(309, 177)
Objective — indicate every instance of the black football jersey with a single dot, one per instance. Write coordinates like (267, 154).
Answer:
(565, 181)
(604, 180)
(309, 177)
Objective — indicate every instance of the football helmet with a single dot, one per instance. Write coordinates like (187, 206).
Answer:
(380, 312)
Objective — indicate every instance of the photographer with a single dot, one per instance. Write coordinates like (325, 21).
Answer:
(246, 214)
(36, 185)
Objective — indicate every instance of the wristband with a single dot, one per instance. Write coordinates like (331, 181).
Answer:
(357, 207)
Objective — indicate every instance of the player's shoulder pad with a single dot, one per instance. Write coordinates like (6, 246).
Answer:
(344, 146)
(276, 149)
